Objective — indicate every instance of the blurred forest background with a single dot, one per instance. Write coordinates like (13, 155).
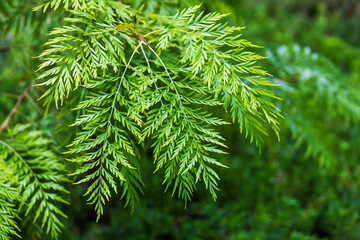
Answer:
(304, 187)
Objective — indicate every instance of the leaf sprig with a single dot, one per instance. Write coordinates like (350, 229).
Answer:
(135, 93)
(39, 178)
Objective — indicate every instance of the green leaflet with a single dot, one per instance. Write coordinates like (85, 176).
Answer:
(8, 196)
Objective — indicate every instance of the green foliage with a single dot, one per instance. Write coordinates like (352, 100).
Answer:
(309, 81)
(8, 211)
(36, 174)
(149, 100)
(162, 96)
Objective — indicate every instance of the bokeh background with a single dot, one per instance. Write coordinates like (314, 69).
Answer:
(305, 187)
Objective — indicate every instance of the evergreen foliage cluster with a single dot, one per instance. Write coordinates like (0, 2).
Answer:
(32, 179)
(142, 97)
(310, 81)
(130, 81)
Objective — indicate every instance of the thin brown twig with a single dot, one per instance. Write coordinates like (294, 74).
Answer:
(13, 110)
(4, 48)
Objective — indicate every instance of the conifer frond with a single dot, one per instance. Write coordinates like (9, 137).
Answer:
(107, 142)
(77, 54)
(163, 94)
(39, 174)
(216, 56)
(183, 135)
(306, 75)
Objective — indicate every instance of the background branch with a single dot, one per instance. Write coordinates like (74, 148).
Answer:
(13, 110)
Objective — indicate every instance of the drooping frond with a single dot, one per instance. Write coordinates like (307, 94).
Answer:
(39, 175)
(78, 53)
(184, 135)
(306, 75)
(107, 141)
(155, 82)
(217, 57)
